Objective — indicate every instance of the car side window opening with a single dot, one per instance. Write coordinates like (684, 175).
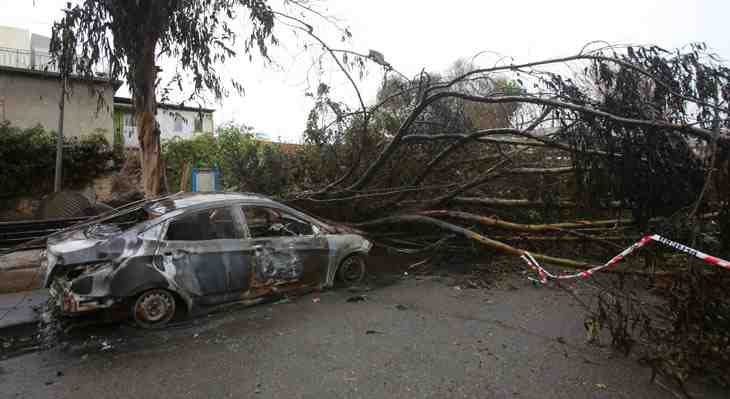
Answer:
(268, 222)
(210, 224)
(153, 233)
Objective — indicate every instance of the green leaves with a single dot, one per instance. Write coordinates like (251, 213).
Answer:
(246, 164)
(27, 160)
(197, 33)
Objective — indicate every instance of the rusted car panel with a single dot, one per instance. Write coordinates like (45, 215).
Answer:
(205, 248)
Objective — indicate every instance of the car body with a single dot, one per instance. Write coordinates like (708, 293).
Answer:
(198, 250)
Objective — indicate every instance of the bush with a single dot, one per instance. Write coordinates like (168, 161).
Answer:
(28, 159)
(246, 164)
(200, 151)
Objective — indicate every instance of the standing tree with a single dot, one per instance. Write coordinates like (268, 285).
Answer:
(131, 36)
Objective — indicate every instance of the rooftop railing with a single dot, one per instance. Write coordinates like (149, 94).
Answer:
(35, 60)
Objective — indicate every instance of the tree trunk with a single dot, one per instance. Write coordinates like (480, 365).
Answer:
(148, 131)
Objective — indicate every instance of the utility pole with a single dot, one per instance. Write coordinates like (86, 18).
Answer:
(59, 139)
(63, 70)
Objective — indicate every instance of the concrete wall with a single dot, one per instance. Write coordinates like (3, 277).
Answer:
(29, 99)
(14, 38)
(39, 46)
(15, 47)
(40, 42)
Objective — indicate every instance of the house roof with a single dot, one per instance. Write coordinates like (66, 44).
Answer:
(124, 102)
(54, 75)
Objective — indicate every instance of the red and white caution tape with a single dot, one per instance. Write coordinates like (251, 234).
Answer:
(545, 275)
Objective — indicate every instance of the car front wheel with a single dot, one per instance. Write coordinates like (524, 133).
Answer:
(153, 308)
(352, 270)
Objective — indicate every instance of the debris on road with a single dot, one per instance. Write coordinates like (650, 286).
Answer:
(357, 298)
(282, 301)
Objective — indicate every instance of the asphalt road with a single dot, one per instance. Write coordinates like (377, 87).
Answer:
(416, 338)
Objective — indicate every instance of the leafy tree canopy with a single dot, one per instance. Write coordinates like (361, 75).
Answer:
(196, 33)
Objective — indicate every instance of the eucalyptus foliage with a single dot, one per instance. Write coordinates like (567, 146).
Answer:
(197, 34)
(130, 37)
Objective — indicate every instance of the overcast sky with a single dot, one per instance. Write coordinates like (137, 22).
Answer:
(432, 34)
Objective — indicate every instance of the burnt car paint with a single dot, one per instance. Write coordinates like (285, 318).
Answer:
(87, 270)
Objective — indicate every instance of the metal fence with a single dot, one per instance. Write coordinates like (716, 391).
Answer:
(37, 61)
(26, 59)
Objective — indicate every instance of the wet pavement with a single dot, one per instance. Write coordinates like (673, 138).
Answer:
(419, 337)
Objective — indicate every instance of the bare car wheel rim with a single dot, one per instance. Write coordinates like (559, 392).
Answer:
(155, 307)
(353, 269)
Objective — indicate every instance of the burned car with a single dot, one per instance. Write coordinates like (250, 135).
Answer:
(194, 251)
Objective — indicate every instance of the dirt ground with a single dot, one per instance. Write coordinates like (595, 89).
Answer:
(409, 336)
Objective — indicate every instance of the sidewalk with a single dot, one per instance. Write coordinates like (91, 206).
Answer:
(19, 272)
(20, 260)
(19, 309)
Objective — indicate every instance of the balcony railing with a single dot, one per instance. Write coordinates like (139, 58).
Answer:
(36, 61)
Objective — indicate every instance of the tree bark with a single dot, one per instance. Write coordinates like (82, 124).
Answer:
(148, 131)
(487, 242)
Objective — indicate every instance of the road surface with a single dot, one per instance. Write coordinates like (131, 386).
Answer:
(414, 338)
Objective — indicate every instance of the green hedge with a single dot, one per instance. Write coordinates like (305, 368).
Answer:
(28, 158)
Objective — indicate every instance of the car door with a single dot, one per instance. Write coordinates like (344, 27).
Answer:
(206, 249)
(286, 251)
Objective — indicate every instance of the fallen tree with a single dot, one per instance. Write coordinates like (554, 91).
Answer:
(637, 133)
(638, 137)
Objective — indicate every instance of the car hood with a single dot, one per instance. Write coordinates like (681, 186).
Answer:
(82, 245)
(90, 244)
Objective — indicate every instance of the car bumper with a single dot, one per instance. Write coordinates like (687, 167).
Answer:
(70, 303)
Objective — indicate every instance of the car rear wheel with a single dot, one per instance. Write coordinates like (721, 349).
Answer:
(153, 308)
(352, 270)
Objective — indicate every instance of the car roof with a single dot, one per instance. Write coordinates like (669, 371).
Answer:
(188, 200)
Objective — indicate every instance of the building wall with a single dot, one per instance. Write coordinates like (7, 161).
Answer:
(14, 38)
(39, 46)
(27, 100)
(173, 123)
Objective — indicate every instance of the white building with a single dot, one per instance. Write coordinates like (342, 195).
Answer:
(175, 121)
(23, 49)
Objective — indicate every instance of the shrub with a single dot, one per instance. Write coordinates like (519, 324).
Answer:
(28, 158)
(246, 164)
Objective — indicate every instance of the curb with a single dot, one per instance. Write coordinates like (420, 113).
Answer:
(20, 260)
(18, 281)
(18, 311)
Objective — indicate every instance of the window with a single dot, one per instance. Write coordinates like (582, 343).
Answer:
(179, 121)
(129, 125)
(199, 122)
(210, 224)
(153, 233)
(130, 120)
(269, 222)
